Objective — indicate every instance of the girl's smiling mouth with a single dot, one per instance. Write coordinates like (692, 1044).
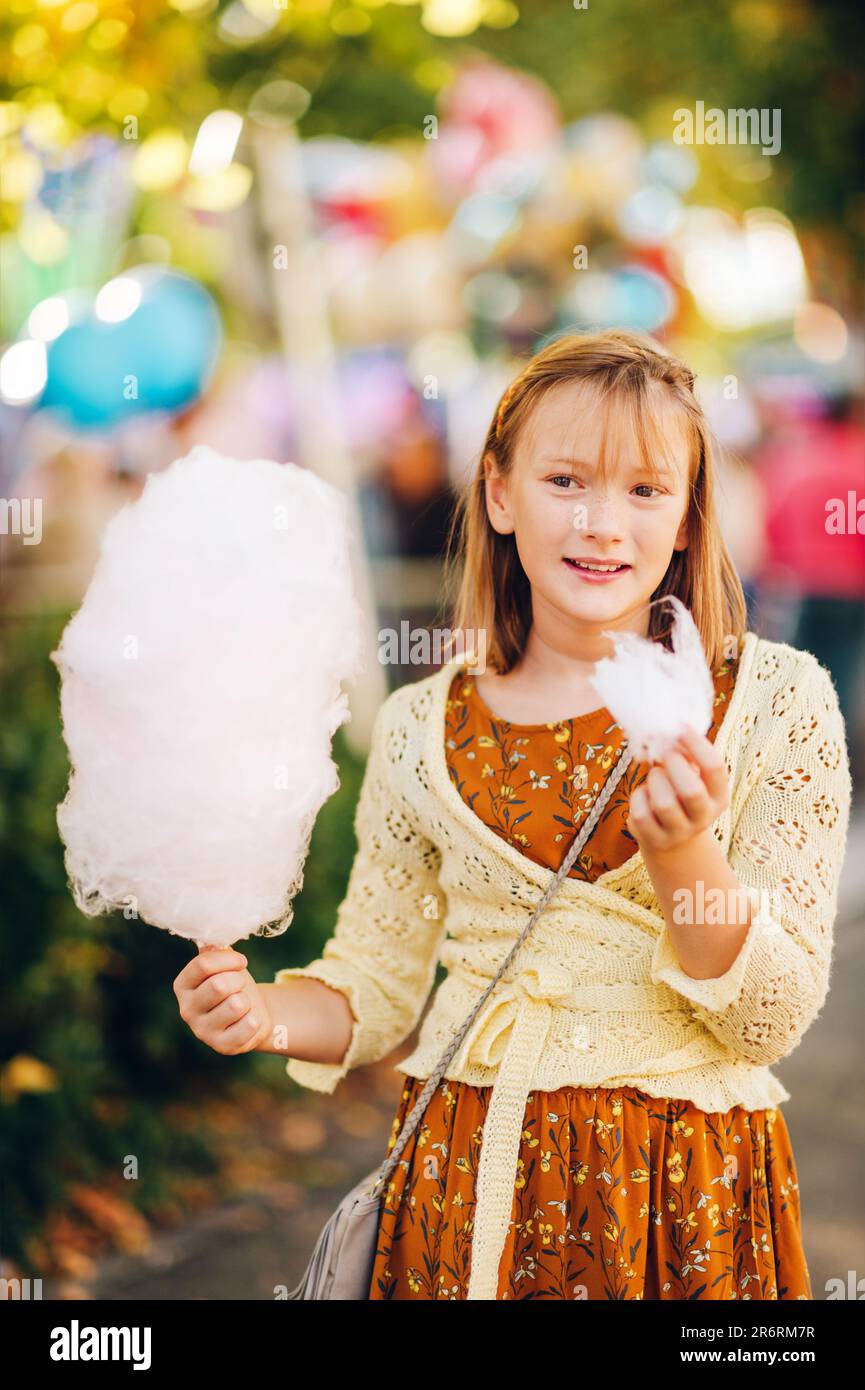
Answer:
(596, 572)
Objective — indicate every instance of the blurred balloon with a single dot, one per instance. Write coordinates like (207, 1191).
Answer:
(629, 297)
(489, 112)
(670, 164)
(492, 295)
(650, 216)
(480, 224)
(149, 343)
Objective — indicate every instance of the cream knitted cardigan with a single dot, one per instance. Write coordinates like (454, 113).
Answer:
(596, 996)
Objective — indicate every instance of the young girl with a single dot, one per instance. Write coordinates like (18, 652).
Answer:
(609, 1126)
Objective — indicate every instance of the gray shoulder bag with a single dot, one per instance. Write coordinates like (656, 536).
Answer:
(342, 1262)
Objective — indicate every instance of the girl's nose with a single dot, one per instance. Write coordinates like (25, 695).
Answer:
(602, 517)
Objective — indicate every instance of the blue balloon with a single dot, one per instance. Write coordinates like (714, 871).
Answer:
(159, 358)
(644, 300)
(631, 296)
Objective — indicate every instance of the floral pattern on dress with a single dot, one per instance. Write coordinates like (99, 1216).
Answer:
(535, 784)
(617, 1195)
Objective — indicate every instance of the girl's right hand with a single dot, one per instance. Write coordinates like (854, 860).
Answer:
(221, 1002)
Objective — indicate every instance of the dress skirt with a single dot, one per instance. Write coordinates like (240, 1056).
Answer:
(618, 1195)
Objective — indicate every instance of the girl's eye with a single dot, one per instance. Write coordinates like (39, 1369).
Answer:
(563, 477)
(649, 486)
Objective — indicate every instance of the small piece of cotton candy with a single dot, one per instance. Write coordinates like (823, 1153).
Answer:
(655, 694)
(200, 691)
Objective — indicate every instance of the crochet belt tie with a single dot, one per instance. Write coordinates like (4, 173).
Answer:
(510, 1033)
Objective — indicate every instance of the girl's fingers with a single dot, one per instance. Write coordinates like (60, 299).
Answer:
(211, 960)
(712, 766)
(663, 801)
(230, 1011)
(216, 990)
(681, 791)
(240, 1034)
(688, 784)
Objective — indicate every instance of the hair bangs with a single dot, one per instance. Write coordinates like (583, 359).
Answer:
(641, 422)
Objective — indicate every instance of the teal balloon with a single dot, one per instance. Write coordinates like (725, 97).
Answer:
(159, 358)
(631, 296)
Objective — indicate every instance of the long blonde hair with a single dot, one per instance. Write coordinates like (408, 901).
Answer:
(494, 594)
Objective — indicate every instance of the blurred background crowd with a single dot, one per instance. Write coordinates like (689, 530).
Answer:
(330, 231)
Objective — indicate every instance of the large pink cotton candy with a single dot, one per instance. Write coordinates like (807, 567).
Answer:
(201, 687)
(655, 694)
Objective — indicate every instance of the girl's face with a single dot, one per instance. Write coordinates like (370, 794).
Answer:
(560, 510)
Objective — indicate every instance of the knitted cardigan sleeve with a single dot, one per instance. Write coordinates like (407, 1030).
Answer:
(787, 849)
(389, 926)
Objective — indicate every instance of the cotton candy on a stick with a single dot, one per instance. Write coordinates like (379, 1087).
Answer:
(200, 690)
(655, 694)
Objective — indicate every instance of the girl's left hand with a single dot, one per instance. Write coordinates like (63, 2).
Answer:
(681, 797)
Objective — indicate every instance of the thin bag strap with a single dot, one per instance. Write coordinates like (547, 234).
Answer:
(624, 759)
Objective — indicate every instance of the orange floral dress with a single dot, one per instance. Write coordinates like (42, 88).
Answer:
(617, 1195)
